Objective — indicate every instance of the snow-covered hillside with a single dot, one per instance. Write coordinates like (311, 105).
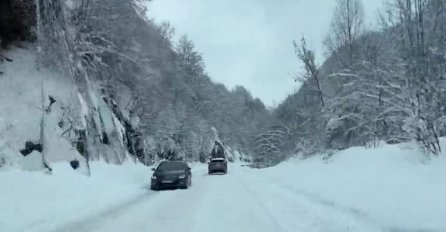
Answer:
(393, 188)
(21, 111)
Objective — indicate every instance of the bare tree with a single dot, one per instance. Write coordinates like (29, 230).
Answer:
(191, 60)
(268, 145)
(166, 31)
(414, 25)
(346, 27)
(311, 76)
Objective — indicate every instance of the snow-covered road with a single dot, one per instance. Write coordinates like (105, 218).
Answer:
(238, 201)
(389, 189)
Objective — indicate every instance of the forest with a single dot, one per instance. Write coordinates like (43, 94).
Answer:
(384, 85)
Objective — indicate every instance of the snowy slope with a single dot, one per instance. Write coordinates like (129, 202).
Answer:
(34, 201)
(21, 111)
(395, 187)
(391, 189)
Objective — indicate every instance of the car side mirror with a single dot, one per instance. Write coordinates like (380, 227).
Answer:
(153, 169)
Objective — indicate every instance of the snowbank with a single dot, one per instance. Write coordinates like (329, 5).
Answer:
(34, 201)
(395, 187)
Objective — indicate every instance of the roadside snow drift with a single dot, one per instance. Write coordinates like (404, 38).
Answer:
(34, 201)
(393, 187)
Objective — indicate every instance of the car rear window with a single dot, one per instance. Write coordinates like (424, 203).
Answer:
(217, 161)
(169, 166)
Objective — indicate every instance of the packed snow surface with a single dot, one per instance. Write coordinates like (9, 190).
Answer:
(392, 188)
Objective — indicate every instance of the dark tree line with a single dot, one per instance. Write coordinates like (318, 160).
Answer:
(136, 94)
(139, 95)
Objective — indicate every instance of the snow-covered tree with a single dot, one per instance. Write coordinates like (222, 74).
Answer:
(311, 76)
(268, 143)
(388, 86)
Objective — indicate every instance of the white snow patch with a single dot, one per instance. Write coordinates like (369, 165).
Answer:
(34, 201)
(394, 187)
(20, 98)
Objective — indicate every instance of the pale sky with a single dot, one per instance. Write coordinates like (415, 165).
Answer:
(249, 42)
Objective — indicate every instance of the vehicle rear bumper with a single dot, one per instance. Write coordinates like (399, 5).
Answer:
(217, 169)
(156, 184)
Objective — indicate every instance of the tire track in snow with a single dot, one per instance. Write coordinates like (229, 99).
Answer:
(262, 206)
(229, 206)
(148, 200)
(311, 204)
(87, 223)
(170, 210)
(358, 214)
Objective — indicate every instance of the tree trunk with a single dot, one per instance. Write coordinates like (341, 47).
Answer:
(42, 131)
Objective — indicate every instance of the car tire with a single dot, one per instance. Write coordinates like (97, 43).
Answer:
(188, 183)
(154, 188)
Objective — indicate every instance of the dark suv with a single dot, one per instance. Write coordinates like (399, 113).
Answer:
(171, 174)
(218, 165)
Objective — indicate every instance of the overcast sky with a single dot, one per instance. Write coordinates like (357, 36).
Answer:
(249, 42)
